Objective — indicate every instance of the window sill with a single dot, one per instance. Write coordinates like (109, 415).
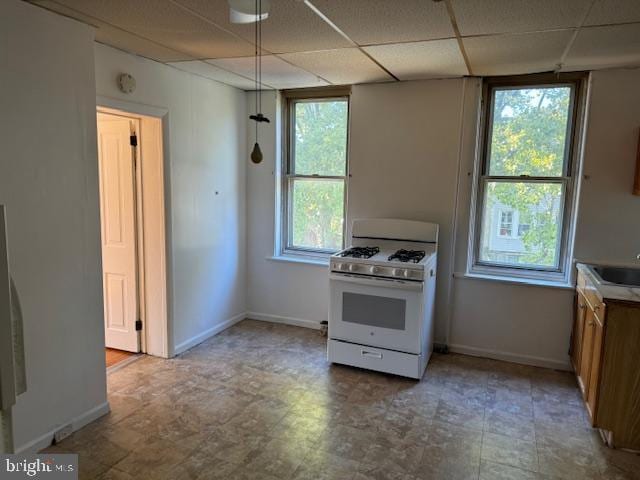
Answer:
(516, 281)
(304, 259)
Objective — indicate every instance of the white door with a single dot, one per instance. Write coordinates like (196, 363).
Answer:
(118, 222)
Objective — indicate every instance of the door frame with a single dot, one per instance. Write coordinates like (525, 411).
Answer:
(151, 220)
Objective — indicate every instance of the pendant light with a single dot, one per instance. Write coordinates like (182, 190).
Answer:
(256, 154)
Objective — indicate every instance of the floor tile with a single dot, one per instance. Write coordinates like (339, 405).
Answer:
(509, 424)
(510, 451)
(260, 402)
(318, 465)
(497, 471)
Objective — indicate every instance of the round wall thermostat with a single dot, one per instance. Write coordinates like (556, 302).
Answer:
(126, 83)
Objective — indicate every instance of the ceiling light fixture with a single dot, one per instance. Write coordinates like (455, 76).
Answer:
(256, 154)
(244, 11)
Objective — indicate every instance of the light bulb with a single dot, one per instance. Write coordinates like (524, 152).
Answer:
(256, 154)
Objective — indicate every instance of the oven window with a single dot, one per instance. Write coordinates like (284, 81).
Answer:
(374, 311)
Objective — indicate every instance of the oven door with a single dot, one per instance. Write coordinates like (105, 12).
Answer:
(377, 312)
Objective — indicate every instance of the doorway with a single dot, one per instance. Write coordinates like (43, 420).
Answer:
(130, 166)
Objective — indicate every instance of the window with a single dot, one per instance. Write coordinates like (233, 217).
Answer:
(314, 180)
(525, 184)
(505, 227)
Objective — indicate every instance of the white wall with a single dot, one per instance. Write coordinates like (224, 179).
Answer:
(404, 149)
(49, 181)
(403, 157)
(293, 292)
(533, 324)
(205, 176)
(609, 221)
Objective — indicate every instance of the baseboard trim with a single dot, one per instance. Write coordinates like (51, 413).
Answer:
(43, 441)
(510, 357)
(201, 337)
(124, 363)
(296, 322)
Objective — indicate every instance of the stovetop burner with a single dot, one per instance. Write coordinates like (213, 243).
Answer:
(413, 256)
(360, 252)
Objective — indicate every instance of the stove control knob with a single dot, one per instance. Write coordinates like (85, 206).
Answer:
(406, 273)
(395, 272)
(337, 266)
(374, 270)
(353, 267)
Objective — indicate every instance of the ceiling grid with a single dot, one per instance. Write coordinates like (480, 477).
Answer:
(322, 42)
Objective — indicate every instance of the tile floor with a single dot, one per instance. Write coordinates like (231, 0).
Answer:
(259, 401)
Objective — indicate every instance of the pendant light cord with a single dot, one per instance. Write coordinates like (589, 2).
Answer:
(258, 62)
(255, 60)
(260, 56)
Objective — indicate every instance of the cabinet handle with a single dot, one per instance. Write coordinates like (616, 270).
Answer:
(590, 323)
(581, 306)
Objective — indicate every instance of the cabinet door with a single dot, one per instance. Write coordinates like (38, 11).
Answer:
(594, 374)
(586, 357)
(578, 330)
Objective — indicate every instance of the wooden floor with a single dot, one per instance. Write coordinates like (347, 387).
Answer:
(116, 356)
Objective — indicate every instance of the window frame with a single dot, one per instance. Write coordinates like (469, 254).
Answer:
(568, 178)
(288, 175)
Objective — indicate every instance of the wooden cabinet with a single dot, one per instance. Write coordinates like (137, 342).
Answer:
(605, 354)
(594, 364)
(578, 330)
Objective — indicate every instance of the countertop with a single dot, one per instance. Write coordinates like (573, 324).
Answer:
(608, 290)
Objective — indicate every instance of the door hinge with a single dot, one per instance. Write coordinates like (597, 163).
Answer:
(133, 140)
(138, 325)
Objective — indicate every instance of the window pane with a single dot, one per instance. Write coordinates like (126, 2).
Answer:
(320, 143)
(522, 224)
(317, 213)
(529, 131)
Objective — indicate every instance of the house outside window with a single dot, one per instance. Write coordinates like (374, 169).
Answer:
(314, 180)
(524, 196)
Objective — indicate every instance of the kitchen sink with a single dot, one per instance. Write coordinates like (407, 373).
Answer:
(619, 275)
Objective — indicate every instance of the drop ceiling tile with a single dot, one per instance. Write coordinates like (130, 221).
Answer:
(212, 72)
(275, 72)
(416, 60)
(290, 27)
(516, 54)
(369, 22)
(165, 23)
(605, 47)
(476, 17)
(614, 11)
(116, 37)
(340, 67)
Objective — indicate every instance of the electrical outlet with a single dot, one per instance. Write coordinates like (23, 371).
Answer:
(62, 433)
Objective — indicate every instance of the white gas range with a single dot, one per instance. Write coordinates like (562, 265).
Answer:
(382, 292)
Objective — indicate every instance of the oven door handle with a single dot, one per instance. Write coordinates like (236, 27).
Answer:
(377, 281)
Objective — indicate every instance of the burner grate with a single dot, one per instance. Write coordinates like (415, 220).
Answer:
(411, 256)
(360, 252)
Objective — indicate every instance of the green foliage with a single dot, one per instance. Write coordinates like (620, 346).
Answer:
(529, 138)
(320, 138)
(318, 213)
(320, 148)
